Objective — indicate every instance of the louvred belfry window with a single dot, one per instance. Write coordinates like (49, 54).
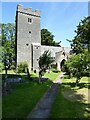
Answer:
(29, 20)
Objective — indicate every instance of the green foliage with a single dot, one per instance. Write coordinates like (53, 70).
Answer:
(8, 32)
(8, 45)
(81, 41)
(66, 77)
(48, 39)
(87, 63)
(79, 65)
(54, 66)
(22, 67)
(55, 70)
(8, 55)
(45, 60)
(1, 66)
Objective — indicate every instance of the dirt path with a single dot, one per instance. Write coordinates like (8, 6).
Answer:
(43, 108)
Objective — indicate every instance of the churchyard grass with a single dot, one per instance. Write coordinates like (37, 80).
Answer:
(23, 97)
(52, 75)
(72, 101)
(9, 72)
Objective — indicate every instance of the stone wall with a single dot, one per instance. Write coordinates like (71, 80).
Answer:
(36, 54)
(28, 32)
(59, 53)
(53, 49)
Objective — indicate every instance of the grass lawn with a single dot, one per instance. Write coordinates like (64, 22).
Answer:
(52, 76)
(23, 98)
(71, 101)
(9, 72)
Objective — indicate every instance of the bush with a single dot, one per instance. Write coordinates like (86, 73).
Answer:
(66, 76)
(55, 70)
(22, 67)
(54, 66)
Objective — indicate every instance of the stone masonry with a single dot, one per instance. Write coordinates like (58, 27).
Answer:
(28, 40)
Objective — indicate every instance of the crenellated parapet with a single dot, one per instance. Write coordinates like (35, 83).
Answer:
(28, 11)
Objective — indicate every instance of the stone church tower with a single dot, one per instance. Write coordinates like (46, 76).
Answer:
(28, 40)
(28, 36)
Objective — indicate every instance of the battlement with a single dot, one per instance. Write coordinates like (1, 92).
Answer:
(28, 10)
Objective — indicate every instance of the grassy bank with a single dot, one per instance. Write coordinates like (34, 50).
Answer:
(72, 102)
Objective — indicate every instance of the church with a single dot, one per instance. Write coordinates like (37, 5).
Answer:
(28, 40)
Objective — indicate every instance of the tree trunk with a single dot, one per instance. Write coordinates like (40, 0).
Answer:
(5, 72)
(40, 76)
(28, 73)
(39, 80)
(77, 81)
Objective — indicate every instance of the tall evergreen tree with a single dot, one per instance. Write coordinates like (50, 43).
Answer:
(48, 39)
(81, 41)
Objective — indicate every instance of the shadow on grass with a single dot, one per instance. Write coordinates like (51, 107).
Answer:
(13, 80)
(23, 99)
(71, 94)
(70, 104)
(24, 77)
(80, 85)
(14, 76)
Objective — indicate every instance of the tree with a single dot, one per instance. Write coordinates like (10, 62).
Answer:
(81, 41)
(48, 39)
(1, 64)
(7, 32)
(79, 65)
(8, 45)
(44, 62)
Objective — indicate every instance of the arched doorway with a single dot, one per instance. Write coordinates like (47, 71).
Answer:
(62, 65)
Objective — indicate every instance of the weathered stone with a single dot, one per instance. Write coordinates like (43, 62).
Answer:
(28, 40)
(14, 80)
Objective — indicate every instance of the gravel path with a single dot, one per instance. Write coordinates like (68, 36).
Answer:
(43, 108)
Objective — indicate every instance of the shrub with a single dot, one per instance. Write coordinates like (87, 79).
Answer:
(22, 67)
(54, 66)
(66, 76)
(55, 70)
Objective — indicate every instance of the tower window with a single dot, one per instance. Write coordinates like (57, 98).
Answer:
(30, 32)
(29, 20)
(27, 44)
